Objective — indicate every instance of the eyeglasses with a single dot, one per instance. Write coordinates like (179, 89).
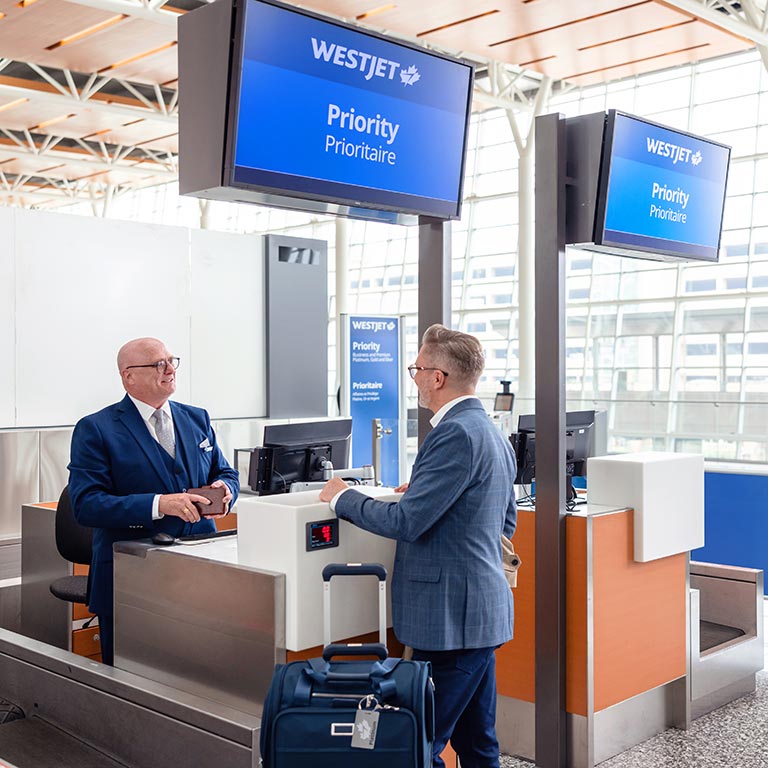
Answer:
(161, 366)
(413, 368)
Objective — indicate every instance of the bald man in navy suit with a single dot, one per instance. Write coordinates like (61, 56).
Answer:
(450, 599)
(132, 463)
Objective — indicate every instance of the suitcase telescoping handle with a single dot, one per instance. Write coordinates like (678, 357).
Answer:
(355, 569)
(355, 649)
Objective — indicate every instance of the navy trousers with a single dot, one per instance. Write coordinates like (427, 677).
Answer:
(465, 705)
(106, 639)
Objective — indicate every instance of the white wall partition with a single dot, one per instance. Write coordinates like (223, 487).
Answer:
(227, 324)
(7, 326)
(82, 287)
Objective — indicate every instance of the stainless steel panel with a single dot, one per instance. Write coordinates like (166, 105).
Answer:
(719, 697)
(10, 557)
(43, 616)
(723, 571)
(725, 670)
(138, 722)
(515, 726)
(210, 628)
(634, 720)
(54, 458)
(580, 743)
(10, 604)
(19, 468)
(727, 601)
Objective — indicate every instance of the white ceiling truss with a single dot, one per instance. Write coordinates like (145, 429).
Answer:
(88, 88)
(148, 10)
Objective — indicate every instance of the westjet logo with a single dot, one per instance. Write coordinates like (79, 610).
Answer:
(373, 325)
(367, 64)
(675, 152)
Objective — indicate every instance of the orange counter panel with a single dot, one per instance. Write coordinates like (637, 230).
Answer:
(576, 615)
(516, 660)
(639, 614)
(639, 619)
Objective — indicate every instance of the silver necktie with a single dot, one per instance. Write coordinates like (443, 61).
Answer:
(164, 432)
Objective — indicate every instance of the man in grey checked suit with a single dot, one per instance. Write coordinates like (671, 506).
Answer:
(450, 600)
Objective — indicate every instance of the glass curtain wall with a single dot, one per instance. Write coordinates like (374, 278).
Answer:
(677, 354)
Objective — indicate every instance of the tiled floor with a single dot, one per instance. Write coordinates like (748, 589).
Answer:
(734, 736)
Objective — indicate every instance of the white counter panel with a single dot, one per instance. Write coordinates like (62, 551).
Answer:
(666, 490)
(272, 536)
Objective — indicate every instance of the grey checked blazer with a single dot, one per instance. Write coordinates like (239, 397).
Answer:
(448, 586)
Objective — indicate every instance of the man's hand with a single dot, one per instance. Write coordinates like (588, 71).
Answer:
(181, 505)
(331, 488)
(401, 488)
(227, 497)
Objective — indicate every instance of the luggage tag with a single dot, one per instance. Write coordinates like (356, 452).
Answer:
(366, 725)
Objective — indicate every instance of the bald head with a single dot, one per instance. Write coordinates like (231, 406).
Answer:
(141, 377)
(135, 352)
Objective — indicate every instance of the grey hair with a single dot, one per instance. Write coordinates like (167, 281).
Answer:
(458, 353)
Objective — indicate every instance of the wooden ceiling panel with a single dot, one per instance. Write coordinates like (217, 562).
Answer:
(692, 38)
(131, 40)
(31, 114)
(159, 68)
(137, 132)
(555, 41)
(25, 33)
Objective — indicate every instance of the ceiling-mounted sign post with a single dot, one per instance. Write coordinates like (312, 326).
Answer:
(550, 137)
(626, 186)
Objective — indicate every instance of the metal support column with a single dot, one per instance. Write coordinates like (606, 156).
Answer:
(342, 304)
(434, 286)
(551, 745)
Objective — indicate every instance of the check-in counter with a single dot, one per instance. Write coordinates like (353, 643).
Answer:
(626, 640)
(634, 665)
(213, 618)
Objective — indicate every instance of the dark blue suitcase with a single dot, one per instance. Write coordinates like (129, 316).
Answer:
(316, 710)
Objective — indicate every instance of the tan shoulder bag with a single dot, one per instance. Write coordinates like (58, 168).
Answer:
(510, 560)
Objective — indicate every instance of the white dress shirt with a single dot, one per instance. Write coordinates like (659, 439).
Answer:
(146, 412)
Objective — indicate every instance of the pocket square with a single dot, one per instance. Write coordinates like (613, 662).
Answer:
(206, 444)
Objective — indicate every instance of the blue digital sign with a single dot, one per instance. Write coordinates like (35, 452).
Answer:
(326, 111)
(662, 190)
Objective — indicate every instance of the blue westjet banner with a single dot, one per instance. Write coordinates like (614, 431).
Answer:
(374, 390)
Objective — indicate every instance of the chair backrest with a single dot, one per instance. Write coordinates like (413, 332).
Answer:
(72, 539)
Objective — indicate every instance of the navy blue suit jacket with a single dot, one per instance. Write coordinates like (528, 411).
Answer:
(116, 469)
(448, 586)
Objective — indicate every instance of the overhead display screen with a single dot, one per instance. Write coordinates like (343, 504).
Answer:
(662, 191)
(325, 111)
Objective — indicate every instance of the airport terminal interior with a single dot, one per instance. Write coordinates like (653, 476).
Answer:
(108, 235)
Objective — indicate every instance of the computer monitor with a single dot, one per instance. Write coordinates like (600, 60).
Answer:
(297, 453)
(579, 446)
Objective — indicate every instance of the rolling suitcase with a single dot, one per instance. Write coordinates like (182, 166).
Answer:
(323, 713)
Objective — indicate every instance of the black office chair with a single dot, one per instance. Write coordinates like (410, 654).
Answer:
(74, 544)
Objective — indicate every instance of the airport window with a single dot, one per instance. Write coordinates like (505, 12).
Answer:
(649, 330)
(692, 286)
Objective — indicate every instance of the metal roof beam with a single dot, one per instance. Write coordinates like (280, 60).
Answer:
(146, 11)
(72, 161)
(67, 103)
(728, 18)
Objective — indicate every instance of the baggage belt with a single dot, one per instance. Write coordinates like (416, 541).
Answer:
(345, 714)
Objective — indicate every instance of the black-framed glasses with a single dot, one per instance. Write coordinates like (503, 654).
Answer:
(161, 366)
(413, 368)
